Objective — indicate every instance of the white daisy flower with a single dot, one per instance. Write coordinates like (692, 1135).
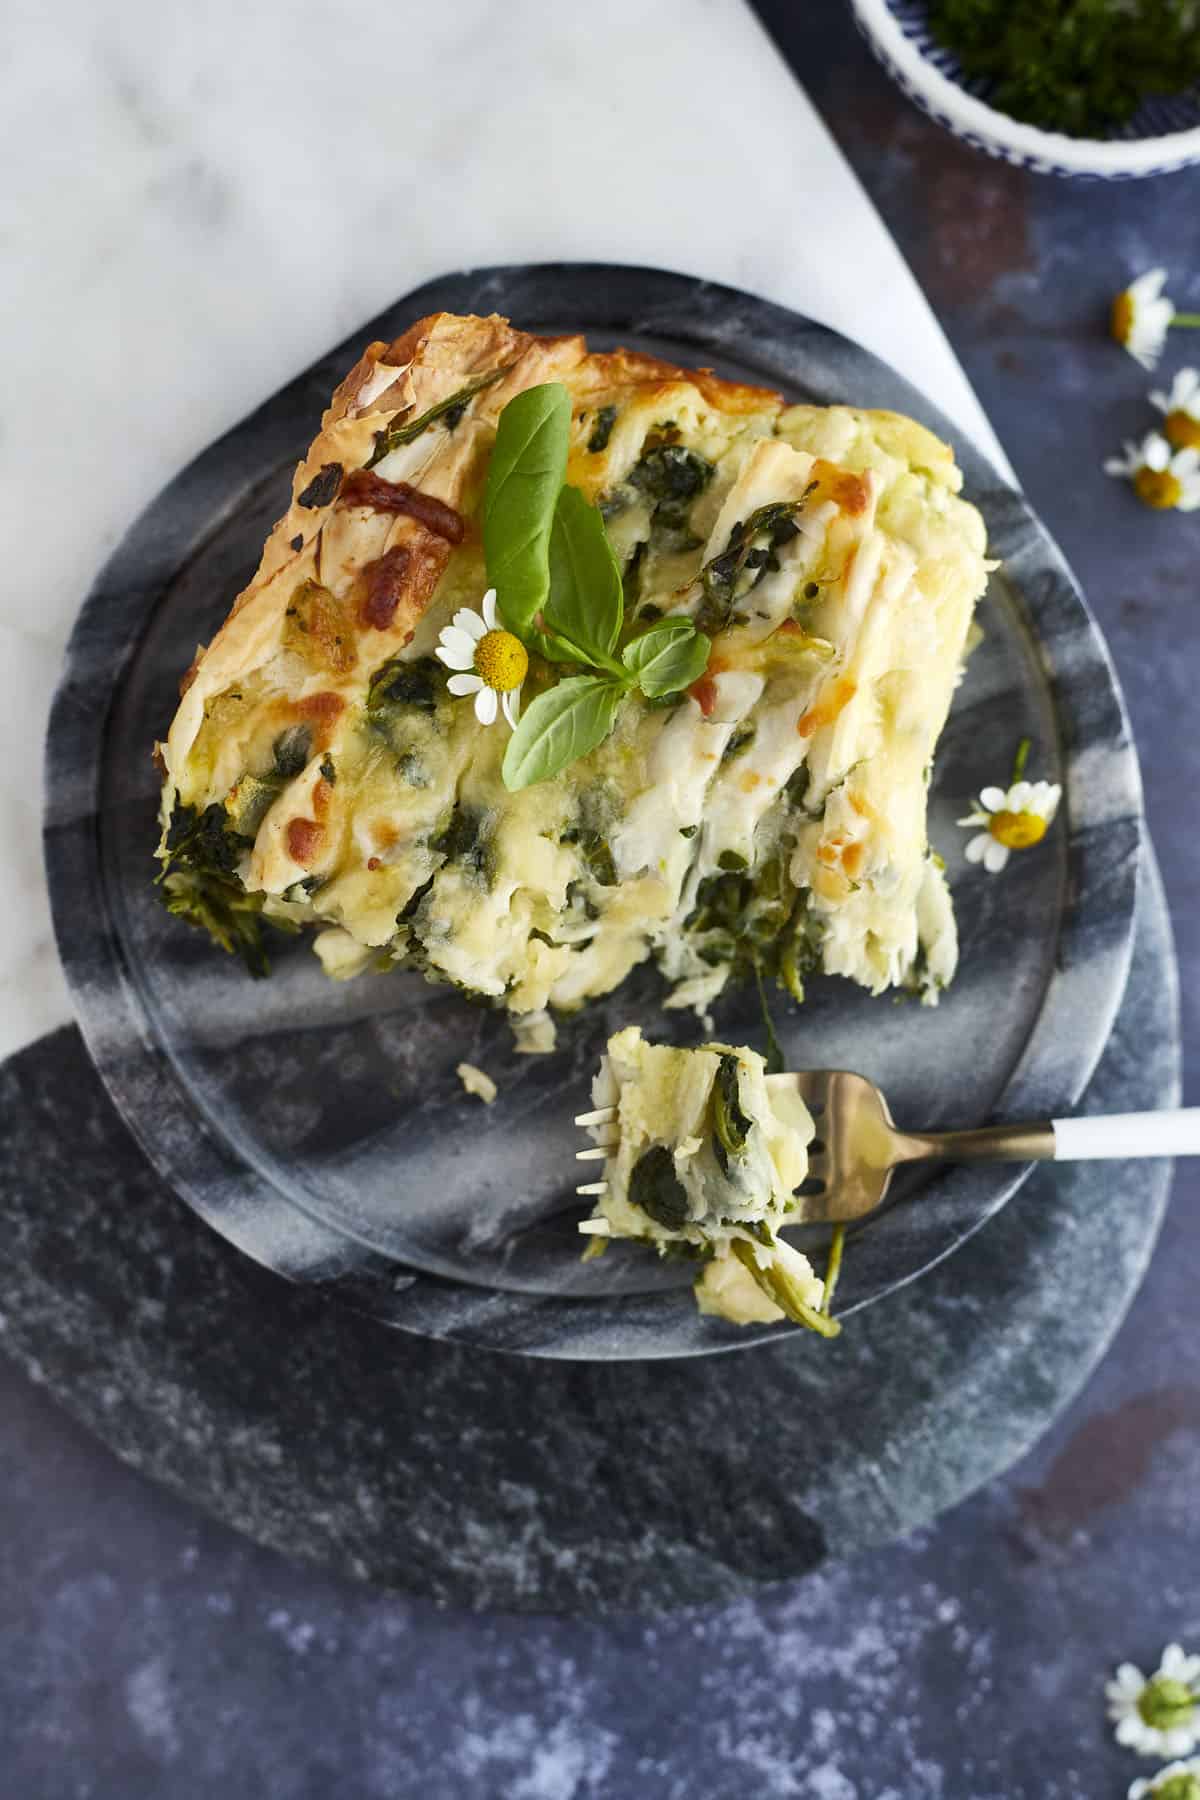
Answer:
(489, 662)
(1178, 1781)
(1014, 818)
(1159, 1716)
(1180, 406)
(1142, 316)
(1160, 480)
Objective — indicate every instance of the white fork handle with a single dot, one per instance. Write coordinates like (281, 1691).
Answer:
(1128, 1134)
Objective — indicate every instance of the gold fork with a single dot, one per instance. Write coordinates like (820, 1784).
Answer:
(858, 1146)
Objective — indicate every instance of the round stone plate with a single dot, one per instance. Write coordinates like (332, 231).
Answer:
(321, 1127)
(498, 1482)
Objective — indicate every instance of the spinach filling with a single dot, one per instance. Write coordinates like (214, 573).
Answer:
(631, 583)
(740, 738)
(602, 426)
(249, 801)
(657, 1190)
(673, 477)
(756, 922)
(402, 702)
(251, 797)
(291, 751)
(749, 555)
(203, 848)
(399, 684)
(199, 883)
(731, 1125)
(466, 840)
(599, 806)
(594, 854)
(413, 770)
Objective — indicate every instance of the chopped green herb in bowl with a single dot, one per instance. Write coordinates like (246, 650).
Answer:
(1105, 89)
(1079, 66)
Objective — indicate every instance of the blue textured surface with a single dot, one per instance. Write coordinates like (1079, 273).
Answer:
(147, 1653)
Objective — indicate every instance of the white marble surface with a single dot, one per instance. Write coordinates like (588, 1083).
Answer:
(198, 201)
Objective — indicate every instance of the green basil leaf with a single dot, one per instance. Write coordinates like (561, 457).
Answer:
(525, 478)
(669, 656)
(585, 604)
(559, 726)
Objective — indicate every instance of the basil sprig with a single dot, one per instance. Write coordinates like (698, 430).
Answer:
(558, 587)
(573, 717)
(525, 478)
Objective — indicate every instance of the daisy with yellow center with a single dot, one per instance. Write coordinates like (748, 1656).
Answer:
(1180, 407)
(1014, 818)
(1142, 315)
(1161, 480)
(1178, 1781)
(488, 661)
(1159, 1716)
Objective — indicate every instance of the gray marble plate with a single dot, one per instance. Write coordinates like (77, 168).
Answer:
(322, 1128)
(503, 1482)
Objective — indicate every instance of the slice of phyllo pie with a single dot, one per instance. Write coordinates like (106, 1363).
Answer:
(558, 661)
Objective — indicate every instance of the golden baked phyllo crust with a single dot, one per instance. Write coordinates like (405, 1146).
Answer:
(734, 628)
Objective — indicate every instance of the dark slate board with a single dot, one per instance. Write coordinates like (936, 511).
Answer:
(494, 1481)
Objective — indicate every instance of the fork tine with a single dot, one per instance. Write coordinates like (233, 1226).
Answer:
(603, 1115)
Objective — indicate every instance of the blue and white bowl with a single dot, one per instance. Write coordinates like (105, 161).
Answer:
(1164, 134)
